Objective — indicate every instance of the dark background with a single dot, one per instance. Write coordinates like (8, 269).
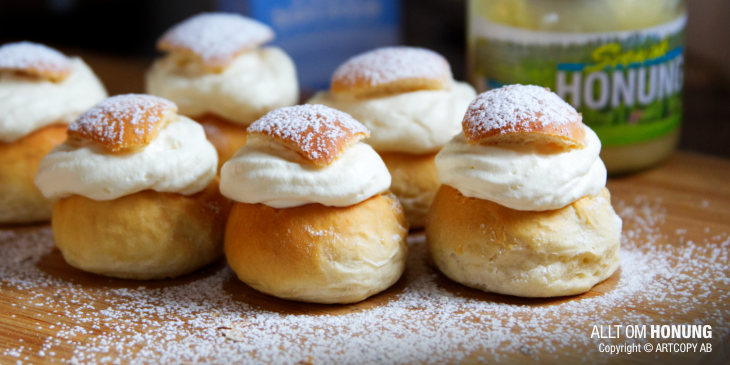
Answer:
(117, 37)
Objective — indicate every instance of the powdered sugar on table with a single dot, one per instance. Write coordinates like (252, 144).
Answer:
(212, 317)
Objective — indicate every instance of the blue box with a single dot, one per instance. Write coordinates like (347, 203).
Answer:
(321, 34)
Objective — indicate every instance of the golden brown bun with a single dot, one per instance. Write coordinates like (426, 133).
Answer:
(523, 114)
(123, 123)
(226, 137)
(318, 133)
(315, 253)
(34, 60)
(20, 200)
(391, 70)
(414, 180)
(487, 246)
(146, 235)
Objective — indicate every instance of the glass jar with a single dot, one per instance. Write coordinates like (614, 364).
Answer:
(619, 62)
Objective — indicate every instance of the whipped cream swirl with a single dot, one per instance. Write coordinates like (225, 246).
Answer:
(413, 122)
(254, 83)
(266, 172)
(28, 104)
(522, 177)
(179, 160)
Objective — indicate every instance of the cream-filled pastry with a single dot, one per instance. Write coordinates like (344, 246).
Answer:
(408, 99)
(218, 73)
(312, 218)
(41, 91)
(523, 209)
(136, 191)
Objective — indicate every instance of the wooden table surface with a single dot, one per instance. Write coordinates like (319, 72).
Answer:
(692, 191)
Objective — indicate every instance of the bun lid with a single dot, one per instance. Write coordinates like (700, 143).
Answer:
(391, 70)
(523, 114)
(123, 123)
(318, 133)
(36, 60)
(215, 38)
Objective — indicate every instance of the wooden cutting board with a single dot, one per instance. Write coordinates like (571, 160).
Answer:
(51, 312)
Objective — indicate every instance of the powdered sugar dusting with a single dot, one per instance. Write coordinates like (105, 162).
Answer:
(113, 120)
(216, 37)
(212, 317)
(320, 133)
(511, 108)
(35, 59)
(390, 64)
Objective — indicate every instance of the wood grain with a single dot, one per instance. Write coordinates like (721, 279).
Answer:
(694, 190)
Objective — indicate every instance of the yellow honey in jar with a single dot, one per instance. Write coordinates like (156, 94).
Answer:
(619, 62)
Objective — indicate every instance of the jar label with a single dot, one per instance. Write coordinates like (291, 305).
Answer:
(627, 85)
